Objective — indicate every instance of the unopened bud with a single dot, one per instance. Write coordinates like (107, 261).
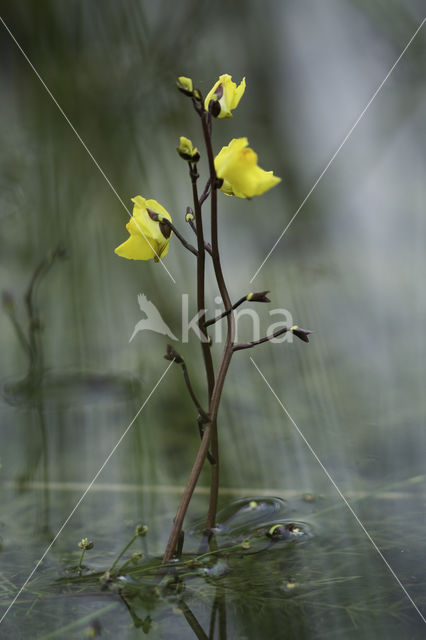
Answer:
(141, 530)
(85, 544)
(186, 86)
(258, 297)
(302, 334)
(187, 151)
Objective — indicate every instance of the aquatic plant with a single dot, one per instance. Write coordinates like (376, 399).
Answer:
(235, 172)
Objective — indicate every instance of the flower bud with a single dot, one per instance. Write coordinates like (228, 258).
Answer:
(187, 151)
(135, 557)
(185, 85)
(141, 530)
(258, 297)
(302, 334)
(85, 544)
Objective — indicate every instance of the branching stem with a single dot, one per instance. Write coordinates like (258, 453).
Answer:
(215, 387)
(207, 246)
(201, 411)
(254, 343)
(180, 237)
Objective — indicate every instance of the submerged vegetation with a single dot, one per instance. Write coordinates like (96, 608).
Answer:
(312, 576)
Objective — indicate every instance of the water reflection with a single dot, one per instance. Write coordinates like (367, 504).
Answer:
(250, 583)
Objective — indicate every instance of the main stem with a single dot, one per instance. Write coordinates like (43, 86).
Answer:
(208, 364)
(187, 495)
(227, 354)
(210, 437)
(201, 260)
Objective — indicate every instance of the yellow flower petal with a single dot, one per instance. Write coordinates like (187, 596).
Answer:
(136, 248)
(226, 95)
(236, 164)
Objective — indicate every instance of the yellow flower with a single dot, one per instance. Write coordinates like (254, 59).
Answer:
(225, 96)
(149, 238)
(236, 164)
(187, 151)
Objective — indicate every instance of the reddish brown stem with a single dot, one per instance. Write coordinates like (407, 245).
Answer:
(210, 437)
(227, 354)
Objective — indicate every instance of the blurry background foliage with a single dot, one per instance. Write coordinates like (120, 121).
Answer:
(350, 267)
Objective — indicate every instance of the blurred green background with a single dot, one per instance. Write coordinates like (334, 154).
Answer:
(350, 267)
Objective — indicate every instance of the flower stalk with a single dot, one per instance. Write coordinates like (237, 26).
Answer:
(85, 545)
(140, 532)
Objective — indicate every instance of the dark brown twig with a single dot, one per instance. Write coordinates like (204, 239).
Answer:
(173, 355)
(300, 333)
(250, 297)
(190, 220)
(205, 193)
(180, 237)
(201, 260)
